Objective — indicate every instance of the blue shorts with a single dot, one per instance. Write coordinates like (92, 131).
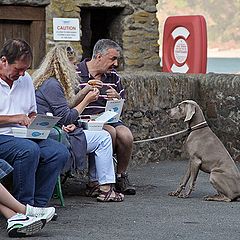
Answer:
(119, 123)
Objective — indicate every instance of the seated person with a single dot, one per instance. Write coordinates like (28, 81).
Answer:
(55, 92)
(100, 69)
(21, 220)
(36, 163)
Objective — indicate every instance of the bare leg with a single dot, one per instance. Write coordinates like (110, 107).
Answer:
(18, 224)
(6, 212)
(124, 145)
(9, 206)
(122, 141)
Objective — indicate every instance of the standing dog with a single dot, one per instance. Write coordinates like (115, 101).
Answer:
(208, 154)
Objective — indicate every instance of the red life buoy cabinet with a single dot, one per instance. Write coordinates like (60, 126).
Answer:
(185, 44)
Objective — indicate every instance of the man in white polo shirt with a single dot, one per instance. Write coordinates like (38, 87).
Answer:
(36, 163)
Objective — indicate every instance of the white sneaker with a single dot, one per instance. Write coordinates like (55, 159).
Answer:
(21, 225)
(43, 213)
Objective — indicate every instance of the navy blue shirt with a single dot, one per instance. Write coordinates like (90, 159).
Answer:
(50, 98)
(109, 79)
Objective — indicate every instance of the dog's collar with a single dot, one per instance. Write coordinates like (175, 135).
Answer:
(198, 126)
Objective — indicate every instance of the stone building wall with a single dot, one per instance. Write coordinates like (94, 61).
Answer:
(25, 2)
(150, 93)
(61, 9)
(133, 25)
(135, 28)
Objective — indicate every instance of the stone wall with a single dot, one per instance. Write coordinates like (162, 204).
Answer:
(135, 28)
(61, 9)
(150, 93)
(25, 2)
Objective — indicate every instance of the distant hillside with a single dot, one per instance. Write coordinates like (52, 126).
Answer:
(223, 19)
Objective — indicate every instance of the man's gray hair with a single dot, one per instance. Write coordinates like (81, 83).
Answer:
(103, 45)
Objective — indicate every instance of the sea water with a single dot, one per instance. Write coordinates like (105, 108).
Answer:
(223, 65)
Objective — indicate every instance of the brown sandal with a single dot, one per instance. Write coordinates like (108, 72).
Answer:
(110, 196)
(93, 191)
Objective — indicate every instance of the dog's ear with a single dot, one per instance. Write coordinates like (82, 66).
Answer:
(190, 111)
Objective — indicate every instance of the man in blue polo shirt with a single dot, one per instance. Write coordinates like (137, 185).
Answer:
(99, 71)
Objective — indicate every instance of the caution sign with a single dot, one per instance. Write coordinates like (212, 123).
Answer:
(66, 29)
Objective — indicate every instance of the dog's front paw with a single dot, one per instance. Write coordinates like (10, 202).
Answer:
(183, 195)
(174, 194)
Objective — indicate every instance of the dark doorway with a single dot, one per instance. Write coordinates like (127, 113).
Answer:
(98, 23)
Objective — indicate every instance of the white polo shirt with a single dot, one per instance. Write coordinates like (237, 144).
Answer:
(19, 99)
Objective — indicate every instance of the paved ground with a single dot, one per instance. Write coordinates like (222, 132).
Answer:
(151, 214)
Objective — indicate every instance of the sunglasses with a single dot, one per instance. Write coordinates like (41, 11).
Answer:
(70, 51)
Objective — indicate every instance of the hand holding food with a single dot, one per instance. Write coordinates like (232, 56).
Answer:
(92, 95)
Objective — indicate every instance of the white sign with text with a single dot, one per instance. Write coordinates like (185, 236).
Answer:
(66, 29)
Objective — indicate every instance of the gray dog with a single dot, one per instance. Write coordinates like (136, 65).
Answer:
(208, 154)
